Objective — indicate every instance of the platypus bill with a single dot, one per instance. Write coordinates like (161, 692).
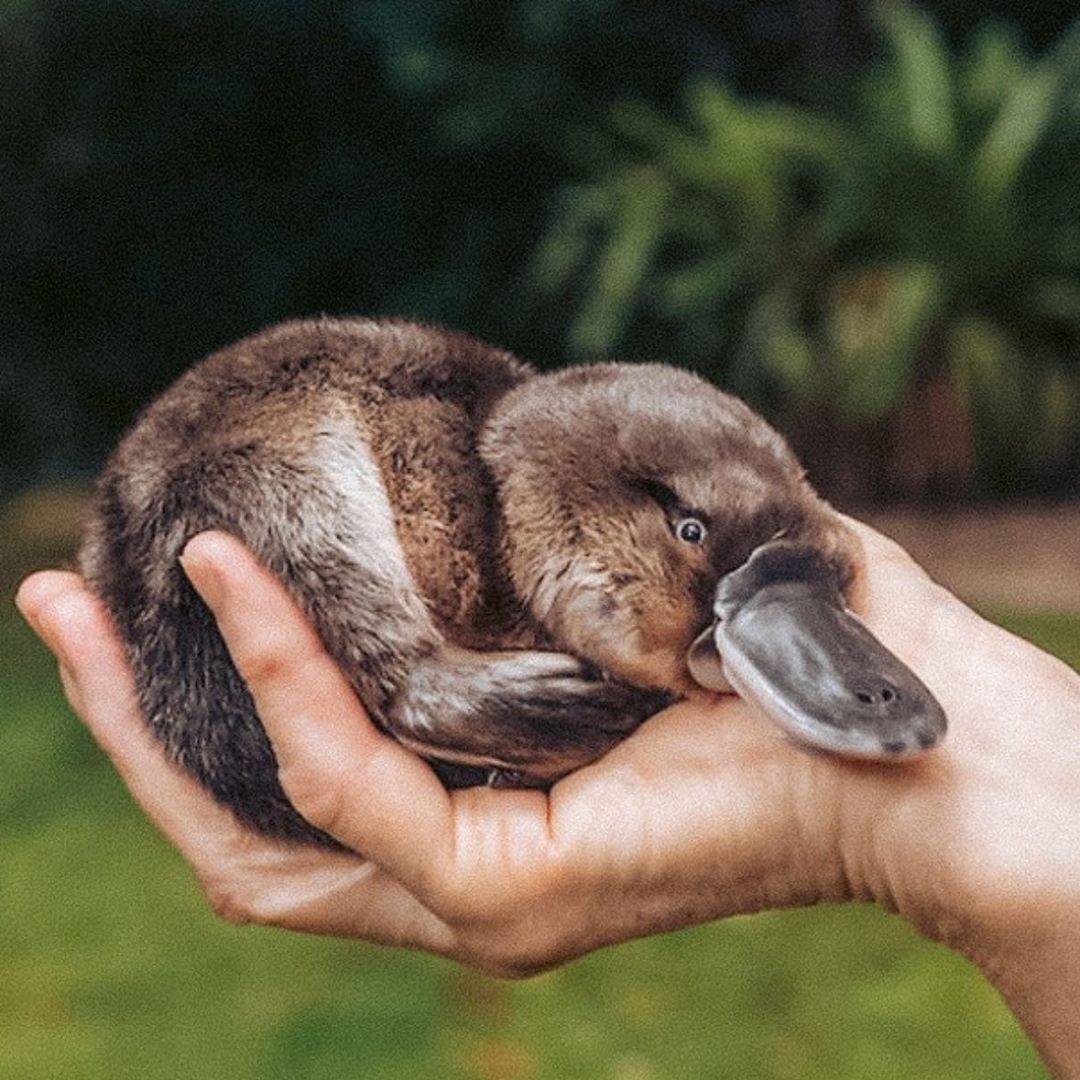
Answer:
(514, 570)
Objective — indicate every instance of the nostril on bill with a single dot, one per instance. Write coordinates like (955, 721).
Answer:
(884, 695)
(893, 746)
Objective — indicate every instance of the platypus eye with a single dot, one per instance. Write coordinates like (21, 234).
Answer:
(690, 530)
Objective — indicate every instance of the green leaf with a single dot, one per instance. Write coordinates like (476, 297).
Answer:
(704, 283)
(1059, 411)
(740, 157)
(637, 227)
(1027, 114)
(793, 135)
(1059, 298)
(775, 337)
(984, 365)
(1022, 122)
(993, 65)
(923, 66)
(564, 247)
(722, 158)
(685, 156)
(876, 332)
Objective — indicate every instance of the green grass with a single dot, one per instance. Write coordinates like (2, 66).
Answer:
(113, 968)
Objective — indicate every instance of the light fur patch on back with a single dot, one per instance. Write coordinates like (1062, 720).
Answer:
(354, 478)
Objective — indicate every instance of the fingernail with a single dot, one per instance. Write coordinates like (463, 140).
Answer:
(201, 571)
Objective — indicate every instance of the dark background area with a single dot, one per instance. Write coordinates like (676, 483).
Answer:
(173, 176)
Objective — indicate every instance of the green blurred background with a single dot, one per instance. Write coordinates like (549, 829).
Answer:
(865, 218)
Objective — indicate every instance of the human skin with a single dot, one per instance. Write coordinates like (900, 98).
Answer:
(704, 812)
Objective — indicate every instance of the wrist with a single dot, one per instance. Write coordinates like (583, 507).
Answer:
(978, 844)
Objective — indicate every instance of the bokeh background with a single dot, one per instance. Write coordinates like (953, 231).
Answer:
(865, 218)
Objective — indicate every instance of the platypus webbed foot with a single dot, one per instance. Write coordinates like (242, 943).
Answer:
(514, 719)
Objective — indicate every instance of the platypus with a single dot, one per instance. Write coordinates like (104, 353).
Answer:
(513, 569)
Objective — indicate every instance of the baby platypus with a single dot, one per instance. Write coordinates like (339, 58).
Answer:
(514, 570)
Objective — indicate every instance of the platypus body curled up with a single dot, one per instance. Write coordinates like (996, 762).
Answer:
(514, 570)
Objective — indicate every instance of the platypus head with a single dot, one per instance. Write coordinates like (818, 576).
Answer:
(661, 529)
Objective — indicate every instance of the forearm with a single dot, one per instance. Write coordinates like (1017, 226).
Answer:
(1043, 992)
(981, 847)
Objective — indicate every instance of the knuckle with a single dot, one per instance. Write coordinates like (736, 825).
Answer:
(264, 661)
(226, 902)
(512, 959)
(473, 914)
(503, 934)
(316, 793)
(274, 657)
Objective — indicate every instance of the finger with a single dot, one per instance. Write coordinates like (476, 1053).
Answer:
(882, 550)
(75, 625)
(342, 774)
(311, 890)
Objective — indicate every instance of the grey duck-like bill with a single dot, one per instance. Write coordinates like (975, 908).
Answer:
(785, 641)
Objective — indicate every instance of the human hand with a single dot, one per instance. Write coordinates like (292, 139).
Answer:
(465, 874)
(705, 811)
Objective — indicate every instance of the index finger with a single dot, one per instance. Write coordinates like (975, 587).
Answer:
(342, 774)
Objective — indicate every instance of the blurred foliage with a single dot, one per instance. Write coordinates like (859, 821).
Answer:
(173, 176)
(917, 252)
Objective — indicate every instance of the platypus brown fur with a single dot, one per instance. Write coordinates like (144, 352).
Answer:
(509, 567)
